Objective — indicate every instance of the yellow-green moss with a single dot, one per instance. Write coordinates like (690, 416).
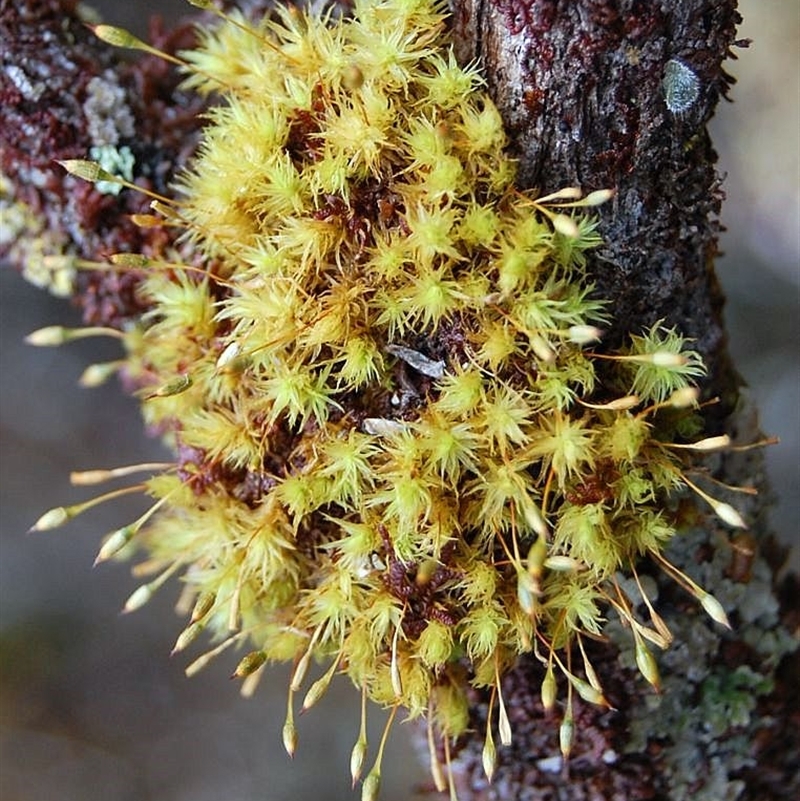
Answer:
(393, 449)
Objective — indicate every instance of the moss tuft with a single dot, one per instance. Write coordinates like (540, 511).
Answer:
(394, 452)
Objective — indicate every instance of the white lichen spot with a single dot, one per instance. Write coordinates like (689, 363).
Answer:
(27, 88)
(107, 114)
(118, 161)
(681, 87)
(551, 764)
(383, 427)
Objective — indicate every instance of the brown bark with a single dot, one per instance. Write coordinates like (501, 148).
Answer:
(51, 60)
(580, 85)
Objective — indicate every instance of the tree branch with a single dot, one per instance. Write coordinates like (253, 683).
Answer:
(618, 94)
(580, 86)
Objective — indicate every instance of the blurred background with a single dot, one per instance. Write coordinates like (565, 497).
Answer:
(91, 705)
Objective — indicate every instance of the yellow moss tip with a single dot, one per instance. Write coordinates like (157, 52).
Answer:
(88, 170)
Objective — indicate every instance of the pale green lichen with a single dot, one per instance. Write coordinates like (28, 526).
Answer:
(27, 241)
(705, 720)
(117, 161)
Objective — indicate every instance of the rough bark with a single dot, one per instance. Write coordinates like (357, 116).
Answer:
(53, 69)
(581, 87)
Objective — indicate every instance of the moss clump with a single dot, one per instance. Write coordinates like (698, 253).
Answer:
(393, 450)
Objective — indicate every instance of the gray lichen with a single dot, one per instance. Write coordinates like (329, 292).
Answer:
(705, 718)
(681, 87)
(107, 114)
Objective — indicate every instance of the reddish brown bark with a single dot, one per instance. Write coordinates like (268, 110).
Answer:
(50, 58)
(580, 85)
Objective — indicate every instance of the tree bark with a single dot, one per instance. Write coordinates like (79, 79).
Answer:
(617, 93)
(580, 85)
(52, 66)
